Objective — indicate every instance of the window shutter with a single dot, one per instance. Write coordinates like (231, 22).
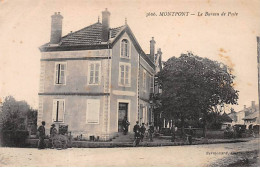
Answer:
(127, 75)
(122, 72)
(93, 111)
(62, 73)
(57, 74)
(54, 110)
(61, 111)
(97, 73)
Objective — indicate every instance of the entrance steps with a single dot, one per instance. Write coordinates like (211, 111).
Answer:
(128, 138)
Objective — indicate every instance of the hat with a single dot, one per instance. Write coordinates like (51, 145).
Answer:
(53, 125)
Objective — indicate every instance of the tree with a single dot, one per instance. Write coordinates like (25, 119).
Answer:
(15, 116)
(194, 87)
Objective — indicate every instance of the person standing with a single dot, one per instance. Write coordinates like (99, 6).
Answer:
(142, 131)
(150, 132)
(41, 131)
(125, 125)
(136, 129)
(53, 133)
(173, 133)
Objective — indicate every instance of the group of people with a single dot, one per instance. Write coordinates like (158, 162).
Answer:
(140, 131)
(41, 134)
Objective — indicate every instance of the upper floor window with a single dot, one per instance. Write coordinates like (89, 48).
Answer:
(58, 110)
(125, 48)
(151, 84)
(94, 72)
(60, 69)
(144, 80)
(124, 74)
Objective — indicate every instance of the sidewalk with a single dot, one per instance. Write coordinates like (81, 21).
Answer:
(156, 143)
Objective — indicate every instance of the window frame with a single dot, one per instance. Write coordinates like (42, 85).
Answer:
(129, 48)
(55, 114)
(99, 113)
(89, 71)
(55, 75)
(129, 74)
(144, 80)
(151, 84)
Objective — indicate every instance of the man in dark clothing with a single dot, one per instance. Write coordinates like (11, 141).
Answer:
(150, 132)
(173, 133)
(142, 131)
(41, 130)
(136, 128)
(125, 124)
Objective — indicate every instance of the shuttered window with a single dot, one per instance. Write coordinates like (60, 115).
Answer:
(93, 111)
(144, 80)
(124, 74)
(151, 84)
(58, 110)
(94, 73)
(60, 69)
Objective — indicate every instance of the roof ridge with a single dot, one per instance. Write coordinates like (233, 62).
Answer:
(118, 27)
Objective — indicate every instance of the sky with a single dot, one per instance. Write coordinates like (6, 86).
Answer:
(25, 26)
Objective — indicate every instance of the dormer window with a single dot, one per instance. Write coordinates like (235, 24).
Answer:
(125, 48)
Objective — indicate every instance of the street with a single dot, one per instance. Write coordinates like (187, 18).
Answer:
(193, 155)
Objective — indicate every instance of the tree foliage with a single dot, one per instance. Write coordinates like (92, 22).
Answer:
(15, 114)
(193, 87)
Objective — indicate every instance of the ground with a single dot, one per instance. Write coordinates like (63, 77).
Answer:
(231, 154)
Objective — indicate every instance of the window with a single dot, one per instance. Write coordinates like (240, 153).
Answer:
(151, 84)
(60, 69)
(125, 48)
(93, 110)
(94, 73)
(58, 110)
(124, 74)
(144, 80)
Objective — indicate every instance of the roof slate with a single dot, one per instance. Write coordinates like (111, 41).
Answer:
(90, 35)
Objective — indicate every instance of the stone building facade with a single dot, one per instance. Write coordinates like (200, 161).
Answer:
(90, 79)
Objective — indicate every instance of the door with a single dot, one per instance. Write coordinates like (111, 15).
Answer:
(122, 112)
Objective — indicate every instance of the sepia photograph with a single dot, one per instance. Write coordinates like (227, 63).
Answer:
(151, 83)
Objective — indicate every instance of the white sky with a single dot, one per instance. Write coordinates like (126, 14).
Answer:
(25, 25)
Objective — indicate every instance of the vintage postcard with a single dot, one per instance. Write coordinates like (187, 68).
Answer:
(130, 83)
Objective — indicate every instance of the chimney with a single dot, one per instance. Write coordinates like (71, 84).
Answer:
(152, 49)
(105, 25)
(244, 107)
(56, 28)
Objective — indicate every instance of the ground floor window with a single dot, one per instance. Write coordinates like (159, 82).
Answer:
(93, 111)
(58, 110)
